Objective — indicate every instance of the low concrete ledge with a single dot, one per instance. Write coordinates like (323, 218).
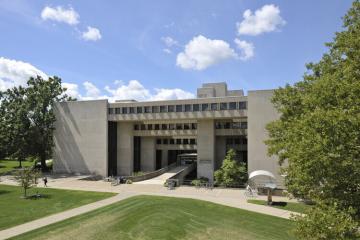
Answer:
(150, 175)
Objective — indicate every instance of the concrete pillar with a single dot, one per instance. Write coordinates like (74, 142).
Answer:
(206, 149)
(148, 154)
(125, 148)
(220, 152)
(164, 158)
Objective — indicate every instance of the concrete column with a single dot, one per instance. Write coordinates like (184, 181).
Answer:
(206, 149)
(125, 148)
(220, 152)
(164, 158)
(148, 154)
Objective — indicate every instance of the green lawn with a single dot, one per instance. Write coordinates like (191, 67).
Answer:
(15, 210)
(290, 206)
(150, 217)
(9, 165)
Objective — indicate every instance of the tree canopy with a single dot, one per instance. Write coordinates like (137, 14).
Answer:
(318, 133)
(27, 118)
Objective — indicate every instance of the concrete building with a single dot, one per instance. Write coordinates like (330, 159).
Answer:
(120, 138)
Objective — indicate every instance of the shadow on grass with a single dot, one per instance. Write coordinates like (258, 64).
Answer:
(280, 204)
(4, 192)
(38, 196)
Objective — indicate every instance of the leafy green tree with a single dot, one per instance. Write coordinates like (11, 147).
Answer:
(231, 172)
(27, 118)
(26, 178)
(318, 133)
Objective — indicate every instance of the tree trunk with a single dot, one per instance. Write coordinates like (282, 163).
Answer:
(20, 160)
(43, 162)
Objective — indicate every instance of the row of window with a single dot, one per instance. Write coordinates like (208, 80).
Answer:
(236, 141)
(180, 108)
(178, 141)
(166, 126)
(231, 125)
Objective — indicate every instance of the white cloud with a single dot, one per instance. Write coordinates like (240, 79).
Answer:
(169, 41)
(171, 94)
(92, 92)
(265, 19)
(201, 53)
(72, 90)
(60, 14)
(166, 50)
(15, 73)
(92, 34)
(246, 49)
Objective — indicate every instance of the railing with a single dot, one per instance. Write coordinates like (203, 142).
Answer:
(150, 175)
(179, 177)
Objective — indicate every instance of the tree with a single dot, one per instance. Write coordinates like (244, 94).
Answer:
(27, 118)
(26, 178)
(318, 133)
(231, 172)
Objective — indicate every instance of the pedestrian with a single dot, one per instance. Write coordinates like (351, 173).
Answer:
(45, 181)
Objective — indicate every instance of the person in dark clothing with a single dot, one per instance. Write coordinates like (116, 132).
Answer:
(45, 181)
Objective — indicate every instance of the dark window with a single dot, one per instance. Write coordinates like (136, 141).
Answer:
(131, 110)
(111, 111)
(244, 140)
(218, 125)
(194, 126)
(185, 141)
(150, 127)
(237, 141)
(171, 108)
(204, 106)
(136, 127)
(139, 110)
(244, 125)
(232, 105)
(147, 109)
(196, 107)
(187, 108)
(158, 141)
(143, 127)
(229, 141)
(178, 141)
(178, 108)
(213, 106)
(186, 126)
(236, 125)
(165, 141)
(192, 141)
(124, 110)
(157, 126)
(223, 106)
(117, 110)
(162, 109)
(179, 126)
(164, 126)
(242, 105)
(227, 125)
(171, 141)
(171, 126)
(155, 109)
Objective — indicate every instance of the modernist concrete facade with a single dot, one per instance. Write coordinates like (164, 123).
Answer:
(120, 138)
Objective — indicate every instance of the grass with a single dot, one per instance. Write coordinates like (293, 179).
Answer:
(6, 166)
(16, 210)
(153, 217)
(290, 206)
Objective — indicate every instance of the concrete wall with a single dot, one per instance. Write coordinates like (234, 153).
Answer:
(260, 112)
(220, 151)
(80, 137)
(148, 154)
(206, 149)
(125, 148)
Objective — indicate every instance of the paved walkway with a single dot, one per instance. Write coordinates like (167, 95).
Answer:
(228, 197)
(161, 179)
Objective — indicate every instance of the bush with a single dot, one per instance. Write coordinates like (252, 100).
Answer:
(231, 172)
(128, 181)
(199, 181)
(327, 222)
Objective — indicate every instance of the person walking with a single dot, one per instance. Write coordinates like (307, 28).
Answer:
(45, 181)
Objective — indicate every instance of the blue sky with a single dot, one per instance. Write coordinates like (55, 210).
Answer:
(163, 49)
